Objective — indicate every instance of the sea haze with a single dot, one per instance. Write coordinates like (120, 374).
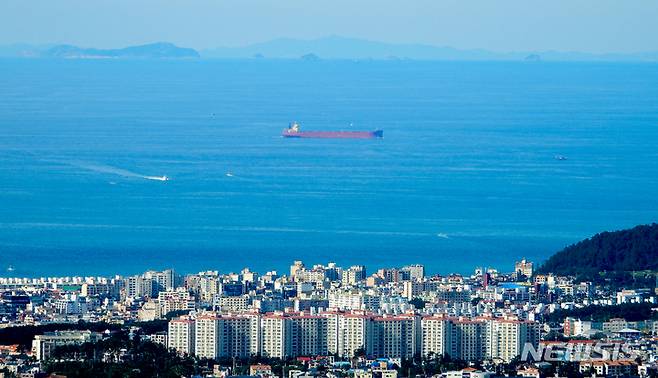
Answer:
(465, 176)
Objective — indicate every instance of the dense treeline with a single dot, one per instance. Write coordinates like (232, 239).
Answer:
(629, 311)
(7, 373)
(431, 365)
(122, 356)
(629, 250)
(23, 335)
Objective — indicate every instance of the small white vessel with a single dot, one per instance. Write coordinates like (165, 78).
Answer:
(159, 178)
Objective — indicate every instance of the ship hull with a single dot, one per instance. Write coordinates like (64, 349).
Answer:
(334, 134)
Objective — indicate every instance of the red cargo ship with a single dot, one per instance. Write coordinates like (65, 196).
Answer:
(293, 131)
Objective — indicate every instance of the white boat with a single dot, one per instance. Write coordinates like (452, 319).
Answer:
(159, 178)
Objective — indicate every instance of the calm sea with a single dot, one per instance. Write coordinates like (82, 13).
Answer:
(466, 175)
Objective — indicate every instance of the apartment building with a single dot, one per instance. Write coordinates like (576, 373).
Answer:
(181, 335)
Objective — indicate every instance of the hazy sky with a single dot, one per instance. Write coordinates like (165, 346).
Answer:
(501, 25)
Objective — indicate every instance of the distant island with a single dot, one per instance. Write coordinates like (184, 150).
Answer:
(608, 255)
(337, 47)
(150, 51)
(533, 58)
(309, 57)
(328, 48)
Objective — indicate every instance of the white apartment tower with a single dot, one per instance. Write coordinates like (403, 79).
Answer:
(206, 340)
(239, 335)
(354, 333)
(354, 275)
(469, 339)
(508, 337)
(181, 335)
(436, 332)
(274, 336)
(308, 335)
(394, 337)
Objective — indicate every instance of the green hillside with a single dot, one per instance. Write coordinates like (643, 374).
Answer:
(635, 249)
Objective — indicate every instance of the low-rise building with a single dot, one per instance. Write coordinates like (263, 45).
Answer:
(43, 345)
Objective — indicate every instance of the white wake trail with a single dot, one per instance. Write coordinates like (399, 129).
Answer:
(102, 168)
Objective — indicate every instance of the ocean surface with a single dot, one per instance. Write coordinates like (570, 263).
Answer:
(466, 174)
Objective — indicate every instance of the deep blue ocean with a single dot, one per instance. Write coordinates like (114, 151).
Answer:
(465, 175)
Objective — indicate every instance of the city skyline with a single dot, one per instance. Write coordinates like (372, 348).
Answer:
(395, 316)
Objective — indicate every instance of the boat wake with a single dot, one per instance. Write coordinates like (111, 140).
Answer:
(102, 168)
(157, 178)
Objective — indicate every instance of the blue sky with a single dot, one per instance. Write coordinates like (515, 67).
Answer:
(499, 25)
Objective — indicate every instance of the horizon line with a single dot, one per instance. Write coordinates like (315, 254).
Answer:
(328, 37)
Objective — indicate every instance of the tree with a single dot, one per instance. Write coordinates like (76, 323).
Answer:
(418, 303)
(610, 257)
